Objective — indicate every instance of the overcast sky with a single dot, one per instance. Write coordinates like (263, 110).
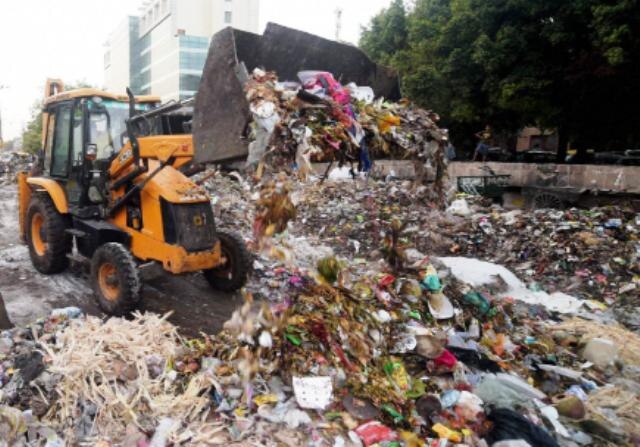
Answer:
(65, 39)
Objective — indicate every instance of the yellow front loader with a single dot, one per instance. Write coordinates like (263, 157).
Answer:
(120, 194)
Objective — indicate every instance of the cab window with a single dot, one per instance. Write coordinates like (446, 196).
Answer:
(100, 135)
(78, 141)
(48, 148)
(61, 139)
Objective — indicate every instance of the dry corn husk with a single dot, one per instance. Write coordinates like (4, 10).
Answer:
(624, 404)
(105, 364)
(627, 342)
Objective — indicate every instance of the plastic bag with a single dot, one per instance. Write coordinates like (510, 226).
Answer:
(509, 425)
(313, 392)
(446, 361)
(459, 207)
(374, 432)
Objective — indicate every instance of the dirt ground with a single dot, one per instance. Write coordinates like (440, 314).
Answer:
(29, 295)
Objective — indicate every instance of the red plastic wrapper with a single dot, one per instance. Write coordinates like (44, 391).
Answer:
(373, 432)
(446, 360)
(386, 280)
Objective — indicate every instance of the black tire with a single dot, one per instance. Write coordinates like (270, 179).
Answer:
(232, 275)
(48, 249)
(115, 279)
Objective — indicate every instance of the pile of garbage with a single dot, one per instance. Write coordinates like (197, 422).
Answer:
(362, 325)
(351, 354)
(593, 254)
(318, 119)
(12, 163)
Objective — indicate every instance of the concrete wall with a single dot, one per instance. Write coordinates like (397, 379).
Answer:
(116, 67)
(165, 70)
(620, 179)
(602, 178)
(193, 16)
(244, 14)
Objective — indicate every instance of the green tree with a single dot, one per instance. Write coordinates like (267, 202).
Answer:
(32, 134)
(511, 63)
(387, 33)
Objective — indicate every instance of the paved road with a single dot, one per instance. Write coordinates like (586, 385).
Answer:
(29, 295)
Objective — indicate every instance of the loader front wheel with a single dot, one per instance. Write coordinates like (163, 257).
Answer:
(48, 242)
(231, 275)
(115, 279)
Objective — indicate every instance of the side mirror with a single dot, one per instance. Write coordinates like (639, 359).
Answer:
(92, 152)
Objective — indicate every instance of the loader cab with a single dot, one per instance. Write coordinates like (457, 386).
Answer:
(82, 131)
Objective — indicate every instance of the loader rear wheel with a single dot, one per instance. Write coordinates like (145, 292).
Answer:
(231, 275)
(48, 242)
(115, 279)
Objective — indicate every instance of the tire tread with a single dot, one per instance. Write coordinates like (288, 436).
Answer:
(130, 282)
(60, 243)
(242, 266)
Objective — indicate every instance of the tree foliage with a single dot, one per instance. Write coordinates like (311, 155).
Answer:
(571, 65)
(32, 134)
(387, 33)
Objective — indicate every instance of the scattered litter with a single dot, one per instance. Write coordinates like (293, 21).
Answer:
(313, 392)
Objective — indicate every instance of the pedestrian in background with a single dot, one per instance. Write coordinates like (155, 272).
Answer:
(482, 149)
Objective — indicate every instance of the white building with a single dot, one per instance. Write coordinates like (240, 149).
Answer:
(162, 51)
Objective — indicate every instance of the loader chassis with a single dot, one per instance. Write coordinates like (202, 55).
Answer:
(120, 195)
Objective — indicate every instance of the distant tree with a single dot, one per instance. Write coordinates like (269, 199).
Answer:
(567, 65)
(32, 134)
(387, 33)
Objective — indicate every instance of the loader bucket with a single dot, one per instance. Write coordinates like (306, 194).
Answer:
(221, 112)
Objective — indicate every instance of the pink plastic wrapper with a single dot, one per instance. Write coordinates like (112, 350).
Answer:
(374, 432)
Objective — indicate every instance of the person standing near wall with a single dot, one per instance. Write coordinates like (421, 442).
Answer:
(482, 149)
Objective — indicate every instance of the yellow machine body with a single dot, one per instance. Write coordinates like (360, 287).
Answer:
(149, 235)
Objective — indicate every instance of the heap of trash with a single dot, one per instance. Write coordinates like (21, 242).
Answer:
(592, 253)
(13, 162)
(425, 351)
(319, 120)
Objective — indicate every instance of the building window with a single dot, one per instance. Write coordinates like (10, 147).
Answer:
(193, 61)
(195, 42)
(227, 17)
(189, 83)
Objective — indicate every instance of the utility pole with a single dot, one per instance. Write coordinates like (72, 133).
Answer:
(338, 13)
